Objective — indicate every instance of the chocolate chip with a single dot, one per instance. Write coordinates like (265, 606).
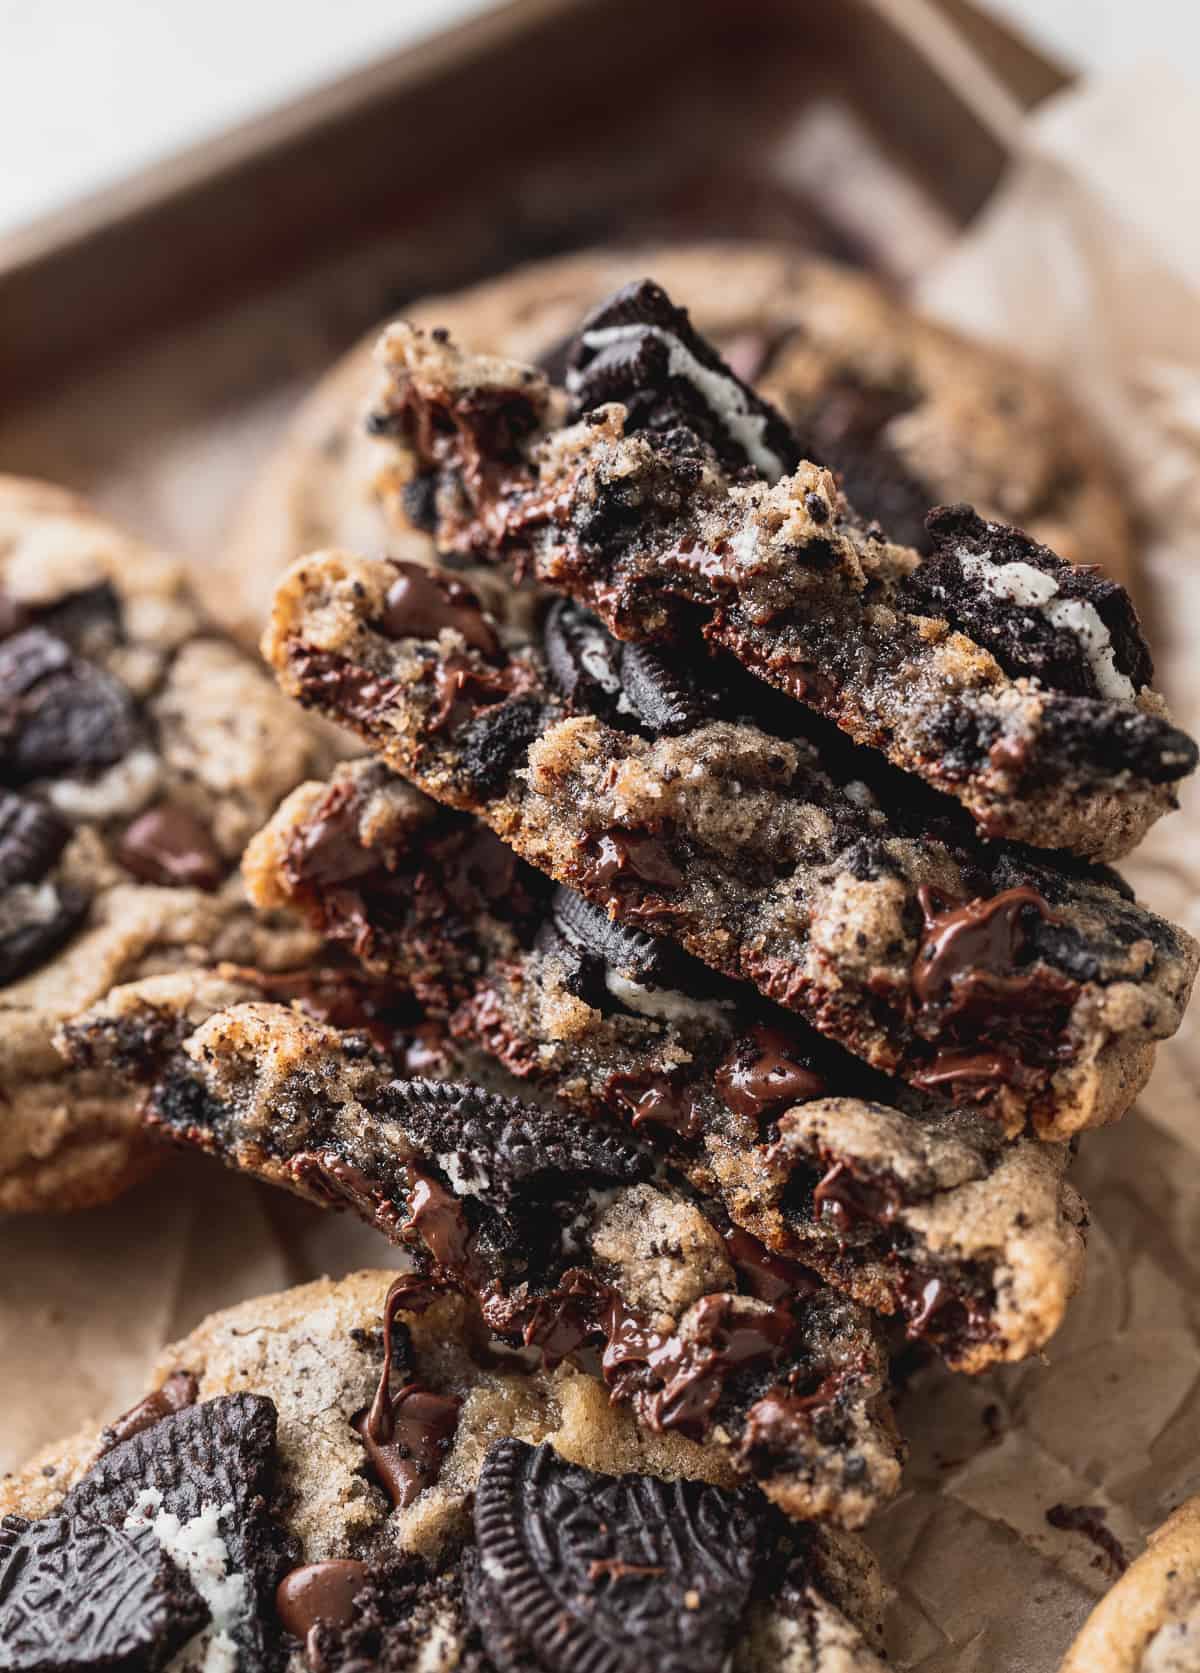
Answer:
(319, 1592)
(31, 839)
(579, 1571)
(583, 658)
(76, 1595)
(169, 845)
(60, 714)
(617, 857)
(640, 349)
(218, 1454)
(765, 1073)
(179, 1391)
(422, 601)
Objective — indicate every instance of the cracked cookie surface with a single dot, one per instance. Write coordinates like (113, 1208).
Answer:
(139, 750)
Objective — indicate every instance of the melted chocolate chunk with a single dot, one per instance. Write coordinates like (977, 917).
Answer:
(608, 859)
(946, 1314)
(658, 1101)
(220, 1453)
(843, 1199)
(763, 1075)
(579, 1571)
(1092, 1522)
(763, 1273)
(421, 602)
(76, 1595)
(640, 349)
(335, 1181)
(1023, 638)
(169, 845)
(978, 985)
(406, 1435)
(179, 1391)
(58, 714)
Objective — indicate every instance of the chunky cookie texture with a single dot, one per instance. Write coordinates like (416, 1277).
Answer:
(911, 1205)
(138, 752)
(568, 1238)
(905, 413)
(549, 1531)
(1029, 984)
(666, 496)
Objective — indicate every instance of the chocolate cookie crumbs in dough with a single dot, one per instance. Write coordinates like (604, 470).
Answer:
(568, 1238)
(776, 862)
(881, 1189)
(667, 496)
(558, 1532)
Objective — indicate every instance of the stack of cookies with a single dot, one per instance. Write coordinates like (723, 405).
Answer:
(703, 978)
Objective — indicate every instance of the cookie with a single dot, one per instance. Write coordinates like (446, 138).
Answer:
(905, 1202)
(663, 494)
(910, 414)
(139, 749)
(420, 1501)
(1026, 982)
(1150, 1621)
(571, 1238)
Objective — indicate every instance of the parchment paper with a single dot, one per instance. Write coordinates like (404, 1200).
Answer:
(1085, 262)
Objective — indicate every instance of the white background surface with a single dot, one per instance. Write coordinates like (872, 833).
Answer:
(91, 90)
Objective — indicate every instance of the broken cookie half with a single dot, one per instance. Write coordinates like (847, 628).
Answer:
(306, 1488)
(664, 494)
(912, 1205)
(1022, 981)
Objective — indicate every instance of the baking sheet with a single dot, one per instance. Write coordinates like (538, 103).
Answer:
(1110, 1418)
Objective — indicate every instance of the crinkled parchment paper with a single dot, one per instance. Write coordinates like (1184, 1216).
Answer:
(1084, 262)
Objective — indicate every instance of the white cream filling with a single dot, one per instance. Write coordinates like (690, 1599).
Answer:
(464, 1185)
(747, 427)
(198, 1548)
(665, 1004)
(123, 790)
(1021, 583)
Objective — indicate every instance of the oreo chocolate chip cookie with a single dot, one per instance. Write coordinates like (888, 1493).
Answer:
(910, 1204)
(1027, 983)
(906, 413)
(509, 1517)
(568, 1238)
(666, 496)
(138, 752)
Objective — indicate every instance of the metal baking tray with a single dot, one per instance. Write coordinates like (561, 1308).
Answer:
(154, 338)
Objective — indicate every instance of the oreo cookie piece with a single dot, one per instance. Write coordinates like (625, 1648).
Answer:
(679, 512)
(36, 915)
(60, 713)
(203, 1480)
(638, 348)
(576, 1570)
(77, 1595)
